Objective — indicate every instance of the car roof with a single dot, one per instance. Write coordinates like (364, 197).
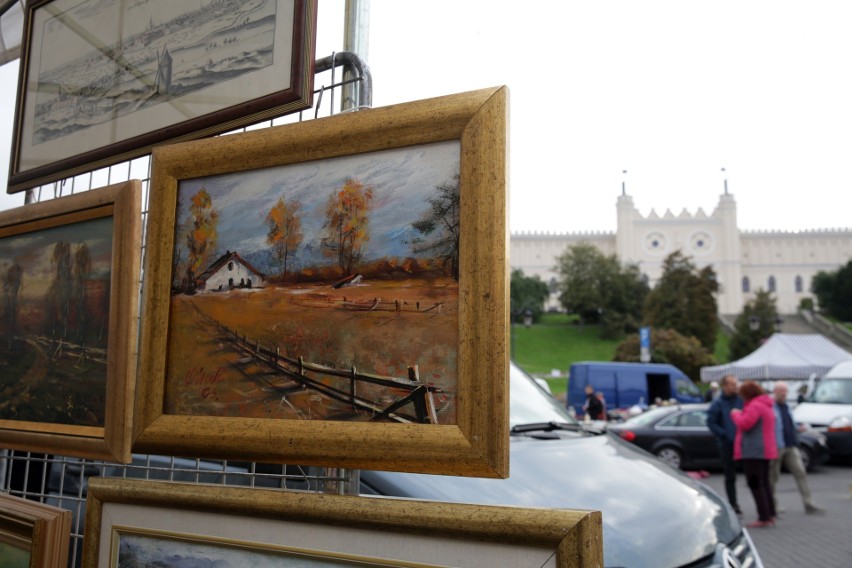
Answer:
(842, 370)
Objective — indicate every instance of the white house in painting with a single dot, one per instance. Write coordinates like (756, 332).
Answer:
(782, 262)
(229, 271)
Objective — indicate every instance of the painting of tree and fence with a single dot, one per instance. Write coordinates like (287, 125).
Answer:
(55, 315)
(322, 290)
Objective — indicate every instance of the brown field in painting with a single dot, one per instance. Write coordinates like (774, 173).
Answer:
(380, 327)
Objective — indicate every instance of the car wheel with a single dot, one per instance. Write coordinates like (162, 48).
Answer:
(670, 455)
(807, 457)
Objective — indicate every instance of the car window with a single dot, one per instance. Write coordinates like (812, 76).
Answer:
(833, 391)
(686, 387)
(694, 419)
(529, 403)
(649, 417)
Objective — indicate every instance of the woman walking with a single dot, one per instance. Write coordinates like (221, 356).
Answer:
(755, 445)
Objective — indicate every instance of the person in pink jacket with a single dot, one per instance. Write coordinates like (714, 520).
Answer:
(755, 446)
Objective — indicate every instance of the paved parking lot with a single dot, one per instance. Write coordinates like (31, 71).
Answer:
(799, 540)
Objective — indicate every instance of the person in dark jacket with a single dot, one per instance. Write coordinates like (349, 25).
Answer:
(788, 451)
(720, 423)
(593, 406)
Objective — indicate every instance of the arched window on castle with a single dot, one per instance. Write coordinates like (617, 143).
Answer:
(746, 284)
(771, 284)
(798, 284)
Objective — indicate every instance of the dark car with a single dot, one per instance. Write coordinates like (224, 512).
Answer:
(679, 436)
(653, 515)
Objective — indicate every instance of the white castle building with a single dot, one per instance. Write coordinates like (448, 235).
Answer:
(779, 261)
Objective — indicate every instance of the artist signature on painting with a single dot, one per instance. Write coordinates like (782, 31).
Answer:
(198, 376)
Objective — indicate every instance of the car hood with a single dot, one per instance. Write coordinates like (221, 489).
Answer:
(820, 414)
(653, 515)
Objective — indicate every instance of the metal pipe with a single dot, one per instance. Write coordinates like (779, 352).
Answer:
(353, 63)
(356, 40)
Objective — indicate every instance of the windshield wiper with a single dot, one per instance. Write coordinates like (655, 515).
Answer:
(546, 427)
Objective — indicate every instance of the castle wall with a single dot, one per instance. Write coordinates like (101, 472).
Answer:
(790, 258)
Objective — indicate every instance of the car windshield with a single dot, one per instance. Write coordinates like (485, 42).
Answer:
(648, 417)
(833, 391)
(529, 403)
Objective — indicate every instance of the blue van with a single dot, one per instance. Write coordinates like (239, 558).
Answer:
(626, 384)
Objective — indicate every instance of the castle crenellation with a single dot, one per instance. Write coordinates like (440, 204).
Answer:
(781, 261)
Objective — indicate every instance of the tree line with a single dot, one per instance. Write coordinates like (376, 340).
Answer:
(345, 232)
(616, 297)
(68, 311)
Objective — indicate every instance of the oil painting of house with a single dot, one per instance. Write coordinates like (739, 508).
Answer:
(229, 271)
(319, 290)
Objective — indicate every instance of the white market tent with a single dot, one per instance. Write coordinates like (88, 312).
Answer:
(783, 356)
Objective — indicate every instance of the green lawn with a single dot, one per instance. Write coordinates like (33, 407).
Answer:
(721, 351)
(557, 341)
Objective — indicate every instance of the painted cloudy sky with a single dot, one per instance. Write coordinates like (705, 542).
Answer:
(34, 251)
(402, 180)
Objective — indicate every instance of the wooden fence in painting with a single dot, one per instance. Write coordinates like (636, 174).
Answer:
(419, 395)
(59, 348)
(372, 304)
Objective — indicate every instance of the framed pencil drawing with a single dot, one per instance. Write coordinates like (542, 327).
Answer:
(33, 535)
(70, 272)
(333, 292)
(102, 82)
(201, 525)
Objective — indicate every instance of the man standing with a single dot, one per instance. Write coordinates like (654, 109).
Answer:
(720, 423)
(788, 451)
(593, 405)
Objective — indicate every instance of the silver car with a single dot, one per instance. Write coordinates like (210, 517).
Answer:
(653, 515)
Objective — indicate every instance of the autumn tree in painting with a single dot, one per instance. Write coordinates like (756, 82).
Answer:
(285, 230)
(58, 299)
(201, 236)
(11, 285)
(81, 273)
(347, 224)
(440, 226)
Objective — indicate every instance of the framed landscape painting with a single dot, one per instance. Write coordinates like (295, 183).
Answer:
(145, 523)
(333, 292)
(103, 81)
(33, 535)
(70, 269)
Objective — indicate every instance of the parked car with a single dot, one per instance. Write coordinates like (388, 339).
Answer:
(627, 384)
(829, 409)
(653, 515)
(679, 436)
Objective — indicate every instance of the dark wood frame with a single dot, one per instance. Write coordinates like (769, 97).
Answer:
(112, 442)
(477, 445)
(298, 96)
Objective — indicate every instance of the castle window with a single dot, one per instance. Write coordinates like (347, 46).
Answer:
(798, 284)
(746, 284)
(230, 266)
(771, 284)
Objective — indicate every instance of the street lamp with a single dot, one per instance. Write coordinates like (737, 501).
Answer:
(753, 323)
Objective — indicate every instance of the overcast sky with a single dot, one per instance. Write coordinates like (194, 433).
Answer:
(671, 91)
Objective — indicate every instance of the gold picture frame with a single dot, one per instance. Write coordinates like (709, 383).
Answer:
(433, 162)
(236, 523)
(103, 84)
(32, 534)
(71, 268)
